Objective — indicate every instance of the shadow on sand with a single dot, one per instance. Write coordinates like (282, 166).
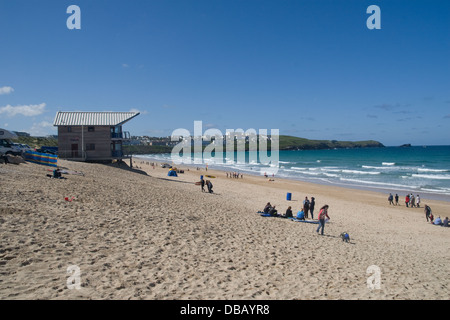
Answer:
(124, 166)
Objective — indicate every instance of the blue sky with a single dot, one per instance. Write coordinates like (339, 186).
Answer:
(309, 68)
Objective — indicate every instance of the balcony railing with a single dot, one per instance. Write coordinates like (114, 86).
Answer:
(121, 135)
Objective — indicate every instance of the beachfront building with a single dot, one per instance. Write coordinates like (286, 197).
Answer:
(92, 136)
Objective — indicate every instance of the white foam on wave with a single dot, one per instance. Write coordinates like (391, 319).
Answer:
(378, 183)
(432, 176)
(331, 170)
(440, 191)
(388, 163)
(331, 175)
(298, 168)
(360, 172)
(310, 173)
(432, 170)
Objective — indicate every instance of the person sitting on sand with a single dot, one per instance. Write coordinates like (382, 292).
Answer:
(301, 215)
(445, 223)
(288, 213)
(438, 221)
(56, 174)
(267, 207)
(273, 212)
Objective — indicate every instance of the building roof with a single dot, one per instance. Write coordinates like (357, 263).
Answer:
(93, 118)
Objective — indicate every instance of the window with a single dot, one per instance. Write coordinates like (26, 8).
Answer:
(90, 146)
(91, 129)
(69, 129)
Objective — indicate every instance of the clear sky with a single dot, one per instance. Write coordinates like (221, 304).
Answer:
(311, 69)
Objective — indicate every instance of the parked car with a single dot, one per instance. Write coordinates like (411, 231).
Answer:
(50, 150)
(6, 145)
(26, 147)
(22, 147)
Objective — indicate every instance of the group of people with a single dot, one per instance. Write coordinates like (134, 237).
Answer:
(308, 207)
(208, 184)
(234, 175)
(410, 200)
(438, 221)
(323, 213)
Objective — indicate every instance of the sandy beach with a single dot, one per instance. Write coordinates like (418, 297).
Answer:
(137, 233)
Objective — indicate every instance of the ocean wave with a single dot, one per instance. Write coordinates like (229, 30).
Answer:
(441, 191)
(331, 175)
(309, 173)
(383, 184)
(297, 168)
(388, 163)
(331, 170)
(431, 176)
(360, 172)
(432, 170)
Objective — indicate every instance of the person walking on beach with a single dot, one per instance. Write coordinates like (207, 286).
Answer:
(407, 200)
(306, 207)
(396, 199)
(202, 183)
(391, 199)
(210, 186)
(418, 201)
(323, 214)
(311, 207)
(427, 211)
(413, 201)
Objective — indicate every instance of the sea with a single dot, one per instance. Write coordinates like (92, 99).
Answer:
(423, 170)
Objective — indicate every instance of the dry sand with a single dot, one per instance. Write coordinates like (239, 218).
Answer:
(140, 234)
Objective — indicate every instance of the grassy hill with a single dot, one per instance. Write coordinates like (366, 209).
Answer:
(37, 142)
(286, 143)
(295, 143)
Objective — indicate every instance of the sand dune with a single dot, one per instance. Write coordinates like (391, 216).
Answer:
(139, 234)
